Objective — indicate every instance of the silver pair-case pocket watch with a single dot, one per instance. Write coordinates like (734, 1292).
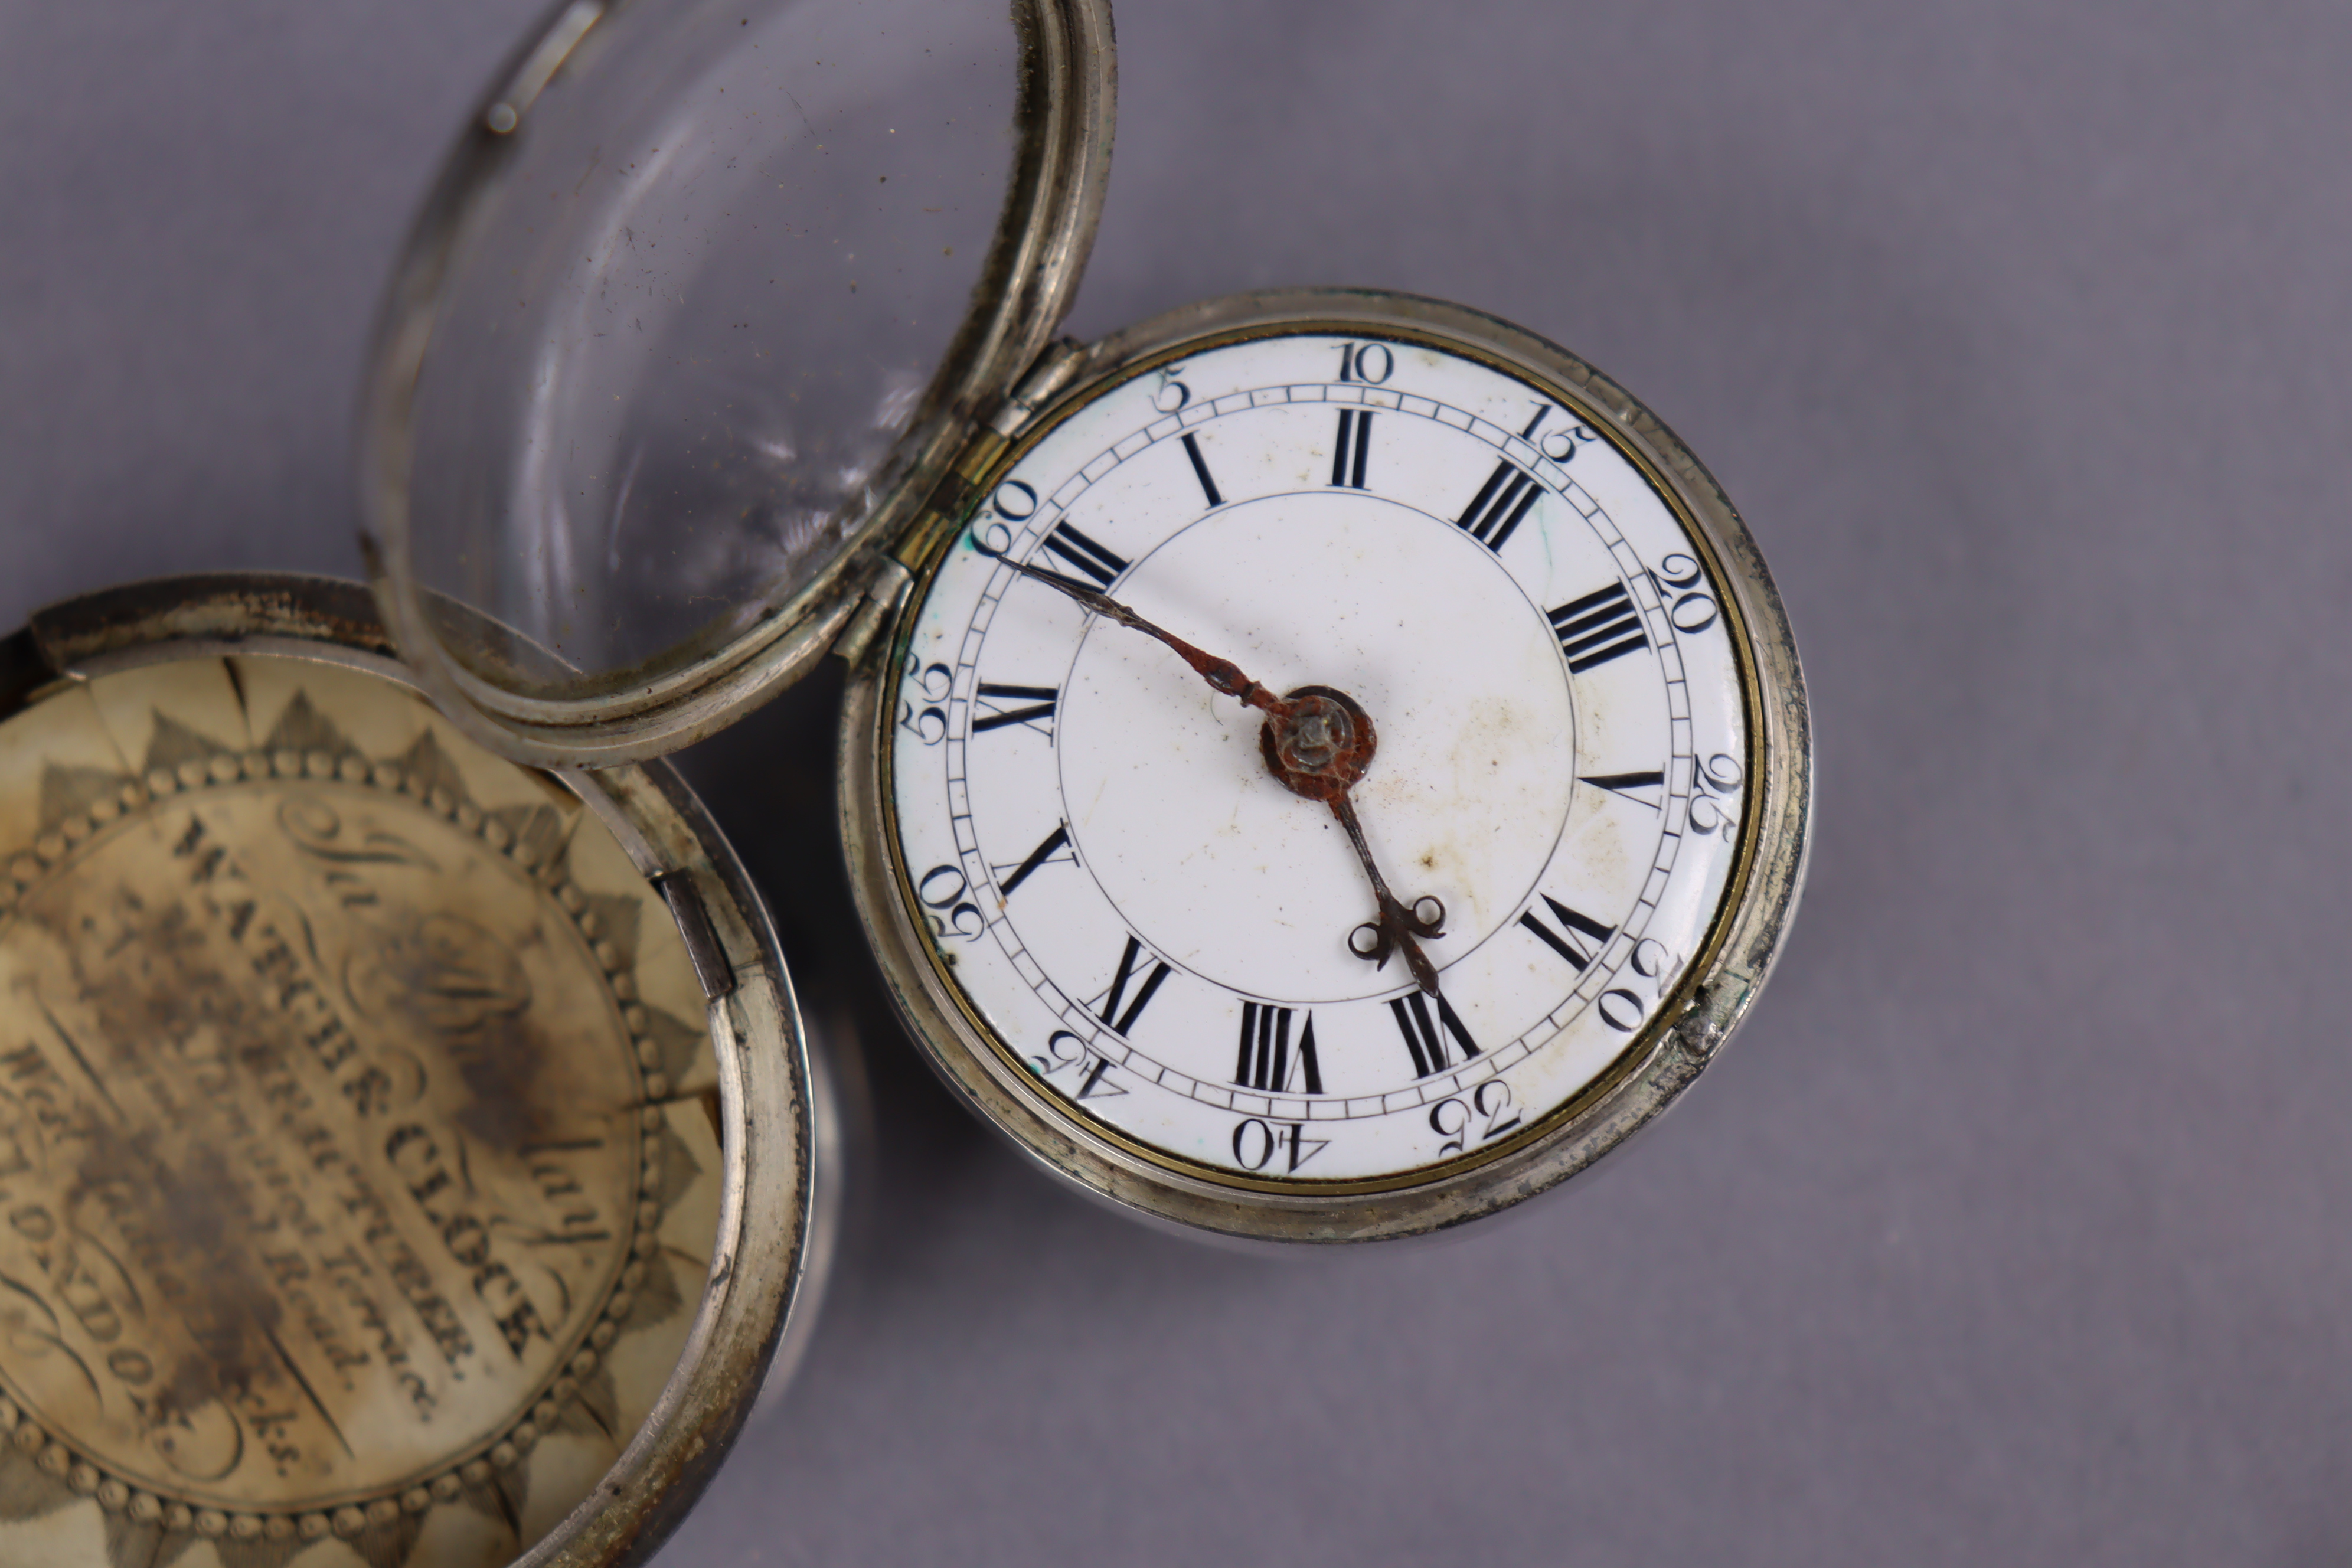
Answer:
(1319, 765)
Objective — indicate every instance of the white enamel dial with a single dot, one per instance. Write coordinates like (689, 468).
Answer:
(1138, 911)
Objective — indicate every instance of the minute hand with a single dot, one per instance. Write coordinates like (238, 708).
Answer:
(1317, 741)
(1222, 673)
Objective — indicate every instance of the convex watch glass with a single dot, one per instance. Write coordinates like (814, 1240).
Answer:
(1318, 766)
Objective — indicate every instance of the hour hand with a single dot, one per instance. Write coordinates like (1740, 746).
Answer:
(1319, 748)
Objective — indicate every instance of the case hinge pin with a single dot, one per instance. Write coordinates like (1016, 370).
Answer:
(891, 586)
(1055, 369)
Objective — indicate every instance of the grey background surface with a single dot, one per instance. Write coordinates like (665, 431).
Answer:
(2012, 1229)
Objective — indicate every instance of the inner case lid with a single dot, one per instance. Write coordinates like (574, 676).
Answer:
(705, 301)
(405, 1159)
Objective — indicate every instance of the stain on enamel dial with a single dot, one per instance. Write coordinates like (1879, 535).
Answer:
(1149, 923)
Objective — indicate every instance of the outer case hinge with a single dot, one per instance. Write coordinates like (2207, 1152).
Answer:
(958, 492)
(891, 582)
(1055, 368)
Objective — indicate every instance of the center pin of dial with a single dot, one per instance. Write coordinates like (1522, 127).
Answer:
(1321, 744)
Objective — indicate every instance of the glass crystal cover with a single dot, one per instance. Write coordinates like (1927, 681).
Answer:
(698, 320)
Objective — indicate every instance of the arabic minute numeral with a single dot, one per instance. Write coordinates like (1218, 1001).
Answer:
(1266, 1061)
(928, 722)
(1423, 1038)
(1356, 363)
(1350, 451)
(928, 725)
(1128, 966)
(1498, 506)
(1651, 959)
(1065, 1049)
(1256, 1142)
(953, 916)
(1560, 443)
(1622, 1010)
(1722, 774)
(1489, 1106)
(1690, 610)
(1598, 627)
(1014, 501)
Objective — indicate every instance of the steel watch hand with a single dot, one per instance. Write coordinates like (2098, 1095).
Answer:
(1317, 741)
(1222, 673)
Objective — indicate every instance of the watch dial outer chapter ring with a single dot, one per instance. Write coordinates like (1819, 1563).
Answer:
(765, 1277)
(1039, 252)
(1684, 1034)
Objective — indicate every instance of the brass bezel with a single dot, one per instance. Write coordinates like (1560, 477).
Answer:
(1744, 937)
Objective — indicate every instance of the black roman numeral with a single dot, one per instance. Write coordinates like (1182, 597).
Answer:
(1037, 856)
(1626, 784)
(1201, 470)
(1498, 506)
(1040, 698)
(1085, 554)
(1267, 1063)
(1598, 627)
(1572, 925)
(1126, 969)
(1421, 1034)
(1355, 441)
(1094, 1087)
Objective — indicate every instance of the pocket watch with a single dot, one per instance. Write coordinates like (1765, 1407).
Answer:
(405, 1157)
(1321, 765)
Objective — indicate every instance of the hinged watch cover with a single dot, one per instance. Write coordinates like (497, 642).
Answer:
(406, 1157)
(705, 303)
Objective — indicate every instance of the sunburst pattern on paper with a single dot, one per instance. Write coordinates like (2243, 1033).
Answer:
(467, 989)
